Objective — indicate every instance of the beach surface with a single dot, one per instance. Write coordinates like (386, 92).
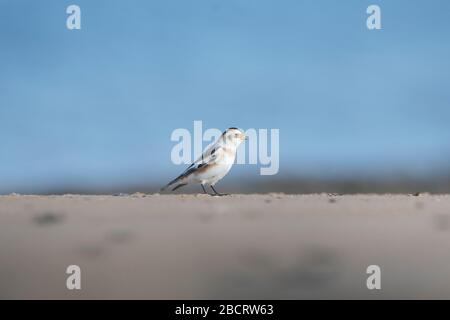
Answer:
(265, 246)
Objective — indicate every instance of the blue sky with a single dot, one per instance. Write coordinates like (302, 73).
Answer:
(97, 106)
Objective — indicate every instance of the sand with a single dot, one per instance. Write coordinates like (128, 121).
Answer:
(270, 246)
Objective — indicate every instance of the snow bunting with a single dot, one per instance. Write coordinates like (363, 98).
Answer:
(214, 163)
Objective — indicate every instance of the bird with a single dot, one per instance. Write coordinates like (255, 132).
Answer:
(214, 163)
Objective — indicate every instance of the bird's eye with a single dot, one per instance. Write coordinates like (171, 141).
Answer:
(235, 135)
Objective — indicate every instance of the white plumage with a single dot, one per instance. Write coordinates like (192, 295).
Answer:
(215, 162)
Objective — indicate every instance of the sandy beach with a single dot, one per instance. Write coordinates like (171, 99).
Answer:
(235, 247)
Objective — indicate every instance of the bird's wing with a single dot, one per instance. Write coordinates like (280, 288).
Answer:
(212, 154)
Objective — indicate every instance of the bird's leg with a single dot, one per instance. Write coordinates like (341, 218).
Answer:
(217, 193)
(204, 190)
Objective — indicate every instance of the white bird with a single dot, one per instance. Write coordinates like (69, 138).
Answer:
(214, 163)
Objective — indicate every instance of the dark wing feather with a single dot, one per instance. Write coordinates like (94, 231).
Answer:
(207, 157)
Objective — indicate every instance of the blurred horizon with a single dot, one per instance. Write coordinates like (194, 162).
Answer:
(92, 110)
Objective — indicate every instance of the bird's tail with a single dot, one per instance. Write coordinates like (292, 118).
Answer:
(178, 182)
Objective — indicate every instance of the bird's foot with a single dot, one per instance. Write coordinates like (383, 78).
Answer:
(220, 194)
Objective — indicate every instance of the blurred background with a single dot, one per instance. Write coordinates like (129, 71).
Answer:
(92, 110)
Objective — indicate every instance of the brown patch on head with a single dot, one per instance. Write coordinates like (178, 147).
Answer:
(232, 129)
(233, 133)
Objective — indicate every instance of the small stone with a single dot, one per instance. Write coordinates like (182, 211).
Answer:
(138, 195)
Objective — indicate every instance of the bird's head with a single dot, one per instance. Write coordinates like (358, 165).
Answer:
(234, 136)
